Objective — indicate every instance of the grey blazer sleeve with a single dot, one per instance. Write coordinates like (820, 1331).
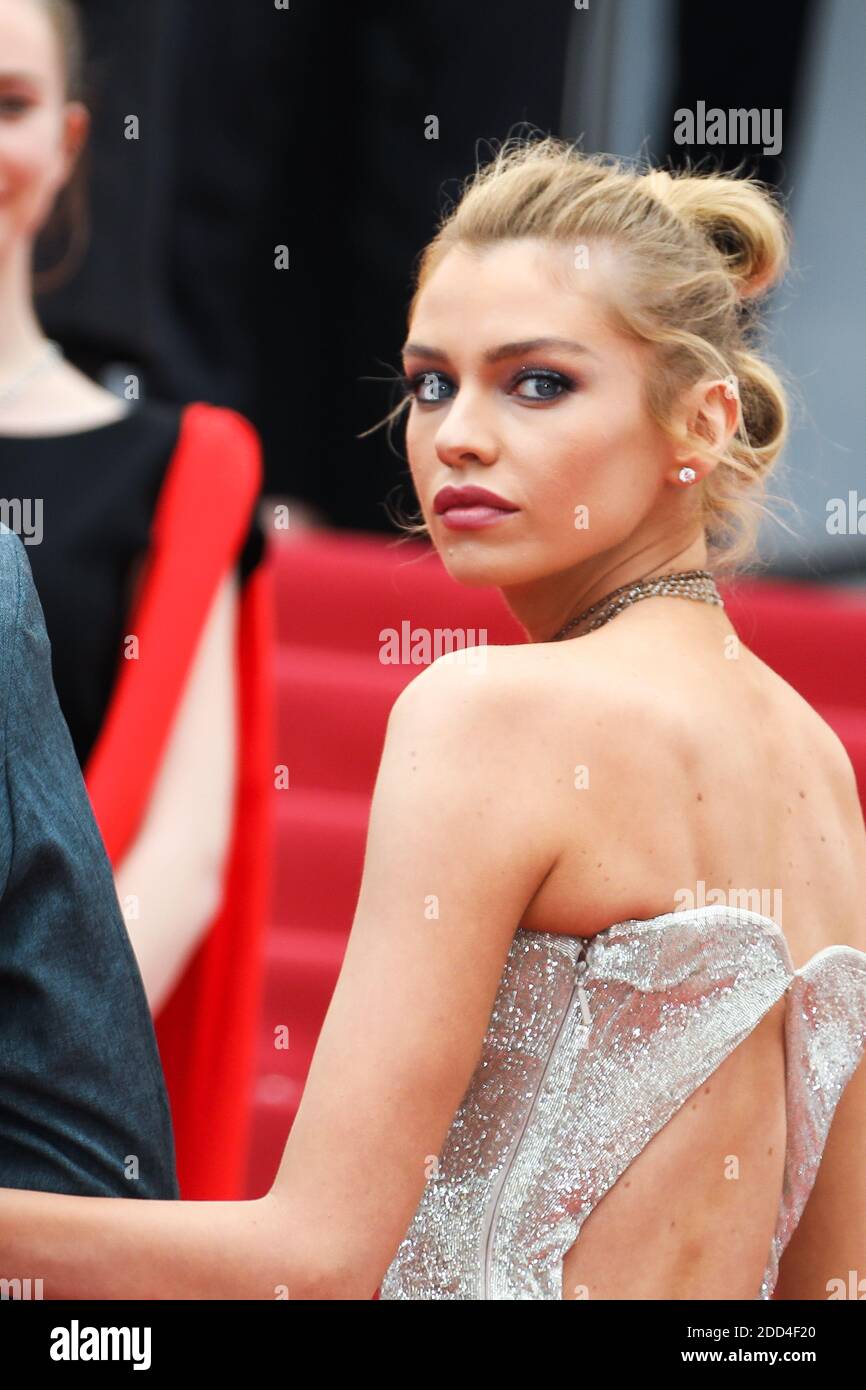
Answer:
(83, 1105)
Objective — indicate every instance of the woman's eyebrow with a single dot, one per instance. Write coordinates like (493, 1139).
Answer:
(505, 350)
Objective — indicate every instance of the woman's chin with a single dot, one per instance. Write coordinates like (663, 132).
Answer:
(476, 571)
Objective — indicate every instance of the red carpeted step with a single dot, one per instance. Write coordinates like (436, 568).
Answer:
(319, 855)
(814, 636)
(302, 966)
(332, 709)
(343, 592)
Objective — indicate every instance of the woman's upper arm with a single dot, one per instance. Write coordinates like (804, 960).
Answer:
(456, 848)
(193, 792)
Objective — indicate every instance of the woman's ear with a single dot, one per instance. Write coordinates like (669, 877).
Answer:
(76, 128)
(710, 411)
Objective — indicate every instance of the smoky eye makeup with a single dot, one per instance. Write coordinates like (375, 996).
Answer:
(551, 379)
(551, 385)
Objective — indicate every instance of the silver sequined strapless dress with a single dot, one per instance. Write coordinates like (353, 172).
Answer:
(592, 1046)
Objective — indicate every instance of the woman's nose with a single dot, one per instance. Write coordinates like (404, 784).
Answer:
(465, 436)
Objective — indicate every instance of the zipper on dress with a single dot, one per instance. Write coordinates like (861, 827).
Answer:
(577, 990)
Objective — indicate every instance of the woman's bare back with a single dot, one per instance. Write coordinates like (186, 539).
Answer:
(674, 779)
(677, 781)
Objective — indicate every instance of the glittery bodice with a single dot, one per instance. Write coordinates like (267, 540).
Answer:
(591, 1047)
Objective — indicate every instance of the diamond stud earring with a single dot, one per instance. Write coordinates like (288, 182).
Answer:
(687, 475)
(732, 387)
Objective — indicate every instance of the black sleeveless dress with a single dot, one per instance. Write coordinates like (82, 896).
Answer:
(83, 504)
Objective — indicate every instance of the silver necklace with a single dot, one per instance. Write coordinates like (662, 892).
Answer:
(50, 354)
(694, 584)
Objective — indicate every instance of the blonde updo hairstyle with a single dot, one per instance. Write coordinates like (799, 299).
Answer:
(695, 252)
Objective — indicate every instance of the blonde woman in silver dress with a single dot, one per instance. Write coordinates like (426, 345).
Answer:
(546, 1073)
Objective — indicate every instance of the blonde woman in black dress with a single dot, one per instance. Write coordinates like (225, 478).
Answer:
(544, 1072)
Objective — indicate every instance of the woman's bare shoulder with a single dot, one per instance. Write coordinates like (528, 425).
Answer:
(513, 709)
(531, 715)
(523, 679)
(482, 689)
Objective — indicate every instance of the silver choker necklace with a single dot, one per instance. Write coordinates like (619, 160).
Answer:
(694, 584)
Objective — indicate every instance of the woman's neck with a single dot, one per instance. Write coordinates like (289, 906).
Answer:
(21, 334)
(546, 605)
